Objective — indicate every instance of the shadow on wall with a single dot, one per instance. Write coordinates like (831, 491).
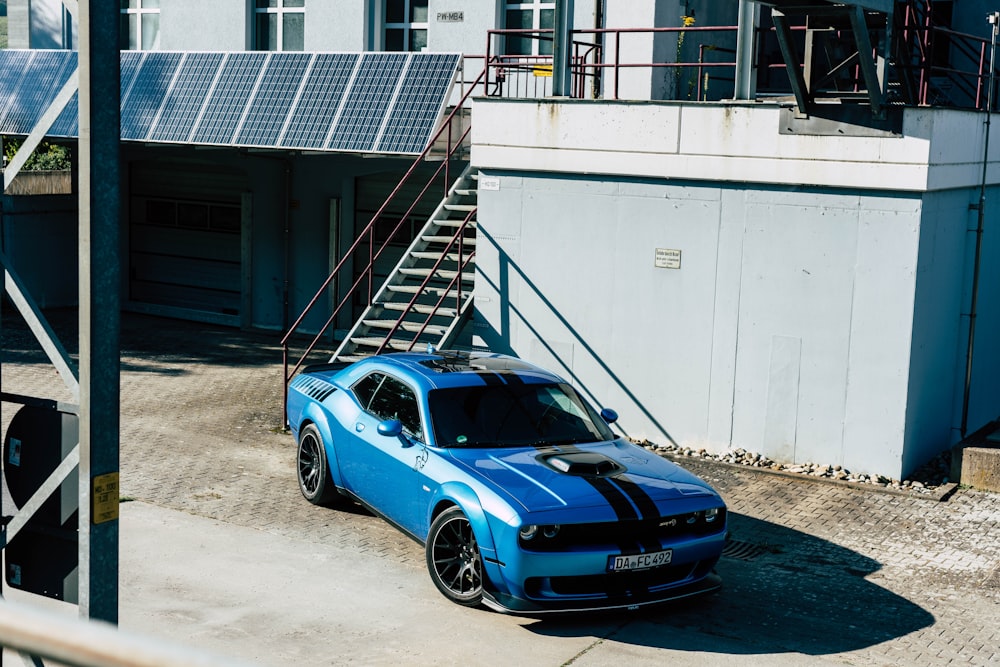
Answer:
(783, 591)
(499, 341)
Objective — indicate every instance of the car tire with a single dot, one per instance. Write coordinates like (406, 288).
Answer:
(315, 482)
(453, 559)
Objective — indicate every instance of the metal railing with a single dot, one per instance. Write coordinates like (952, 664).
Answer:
(597, 64)
(39, 634)
(456, 284)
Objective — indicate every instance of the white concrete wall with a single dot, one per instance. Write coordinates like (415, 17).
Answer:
(817, 312)
(194, 25)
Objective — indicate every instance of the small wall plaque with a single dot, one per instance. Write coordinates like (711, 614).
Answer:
(667, 258)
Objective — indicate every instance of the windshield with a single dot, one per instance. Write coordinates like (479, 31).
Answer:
(513, 415)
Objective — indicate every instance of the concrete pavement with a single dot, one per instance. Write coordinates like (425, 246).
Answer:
(219, 550)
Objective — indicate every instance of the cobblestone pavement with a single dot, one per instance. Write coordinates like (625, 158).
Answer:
(843, 574)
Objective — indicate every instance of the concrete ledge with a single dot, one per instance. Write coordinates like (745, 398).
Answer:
(975, 461)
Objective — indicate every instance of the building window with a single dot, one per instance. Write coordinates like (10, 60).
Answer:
(530, 15)
(140, 24)
(280, 25)
(405, 25)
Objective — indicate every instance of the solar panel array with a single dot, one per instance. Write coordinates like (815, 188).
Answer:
(354, 102)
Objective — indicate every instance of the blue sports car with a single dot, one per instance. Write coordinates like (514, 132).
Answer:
(524, 499)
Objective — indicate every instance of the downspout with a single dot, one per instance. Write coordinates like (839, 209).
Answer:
(994, 20)
(286, 213)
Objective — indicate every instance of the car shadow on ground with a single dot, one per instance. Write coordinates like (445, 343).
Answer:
(783, 591)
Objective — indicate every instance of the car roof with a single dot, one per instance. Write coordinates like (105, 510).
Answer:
(450, 368)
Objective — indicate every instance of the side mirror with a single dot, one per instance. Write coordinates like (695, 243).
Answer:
(609, 415)
(393, 428)
(390, 428)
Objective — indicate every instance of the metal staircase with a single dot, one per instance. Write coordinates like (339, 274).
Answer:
(428, 295)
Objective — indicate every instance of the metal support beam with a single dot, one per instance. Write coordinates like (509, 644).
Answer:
(803, 98)
(876, 95)
(746, 37)
(562, 48)
(41, 128)
(32, 315)
(100, 269)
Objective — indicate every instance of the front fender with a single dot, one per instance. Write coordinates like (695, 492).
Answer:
(314, 413)
(457, 493)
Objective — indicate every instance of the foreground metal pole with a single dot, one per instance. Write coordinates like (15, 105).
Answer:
(99, 307)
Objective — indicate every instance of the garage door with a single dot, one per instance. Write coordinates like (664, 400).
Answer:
(185, 248)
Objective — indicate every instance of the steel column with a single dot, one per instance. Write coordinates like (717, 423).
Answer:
(99, 301)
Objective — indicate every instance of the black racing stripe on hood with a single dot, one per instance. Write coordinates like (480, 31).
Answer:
(619, 503)
(615, 496)
(638, 496)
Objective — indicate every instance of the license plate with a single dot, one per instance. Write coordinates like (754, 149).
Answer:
(639, 561)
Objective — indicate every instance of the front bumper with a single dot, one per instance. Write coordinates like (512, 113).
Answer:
(536, 583)
(629, 600)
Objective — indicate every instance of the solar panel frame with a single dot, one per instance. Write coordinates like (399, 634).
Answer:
(148, 93)
(342, 102)
(370, 95)
(42, 74)
(413, 118)
(228, 99)
(272, 100)
(187, 97)
(311, 119)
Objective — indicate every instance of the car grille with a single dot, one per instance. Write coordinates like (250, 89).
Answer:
(616, 585)
(627, 536)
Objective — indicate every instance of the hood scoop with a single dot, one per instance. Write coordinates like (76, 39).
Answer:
(585, 464)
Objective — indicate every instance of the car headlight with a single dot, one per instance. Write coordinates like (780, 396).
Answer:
(711, 514)
(528, 532)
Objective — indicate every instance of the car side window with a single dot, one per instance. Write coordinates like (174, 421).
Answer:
(388, 398)
(365, 388)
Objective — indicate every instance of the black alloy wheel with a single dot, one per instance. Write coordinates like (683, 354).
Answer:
(453, 558)
(313, 473)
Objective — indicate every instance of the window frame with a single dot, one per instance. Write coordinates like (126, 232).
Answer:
(125, 25)
(383, 384)
(408, 26)
(280, 11)
(536, 7)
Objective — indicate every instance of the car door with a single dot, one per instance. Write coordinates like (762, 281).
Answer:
(382, 470)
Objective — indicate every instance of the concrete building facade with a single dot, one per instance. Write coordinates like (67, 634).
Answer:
(725, 274)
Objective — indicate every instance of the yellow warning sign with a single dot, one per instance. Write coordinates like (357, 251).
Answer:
(542, 70)
(104, 498)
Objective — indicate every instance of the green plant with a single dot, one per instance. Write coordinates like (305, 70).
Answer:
(47, 157)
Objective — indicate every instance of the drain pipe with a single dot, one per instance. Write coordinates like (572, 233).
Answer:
(994, 20)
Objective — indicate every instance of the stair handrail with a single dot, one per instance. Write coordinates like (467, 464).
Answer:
(462, 264)
(369, 232)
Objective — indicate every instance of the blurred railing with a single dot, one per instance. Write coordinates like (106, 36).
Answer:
(37, 635)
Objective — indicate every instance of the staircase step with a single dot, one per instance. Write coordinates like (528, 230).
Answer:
(455, 223)
(395, 344)
(412, 327)
(445, 239)
(429, 290)
(420, 308)
(467, 192)
(460, 207)
(443, 274)
(451, 257)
